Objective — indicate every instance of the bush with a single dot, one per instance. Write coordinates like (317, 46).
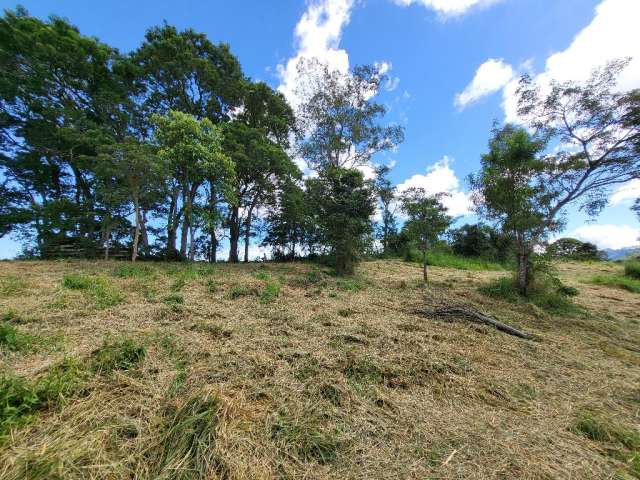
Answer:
(547, 293)
(632, 269)
(119, 354)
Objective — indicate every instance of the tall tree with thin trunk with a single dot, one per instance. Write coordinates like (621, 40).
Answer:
(427, 219)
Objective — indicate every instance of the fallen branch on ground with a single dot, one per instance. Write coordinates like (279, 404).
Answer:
(449, 311)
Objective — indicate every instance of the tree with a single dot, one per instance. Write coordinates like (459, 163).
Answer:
(386, 193)
(184, 71)
(480, 240)
(427, 219)
(193, 150)
(287, 222)
(593, 125)
(135, 168)
(511, 190)
(343, 205)
(338, 123)
(573, 249)
(256, 141)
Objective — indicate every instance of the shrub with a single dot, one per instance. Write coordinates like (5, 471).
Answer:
(632, 269)
(186, 448)
(118, 354)
(547, 293)
(103, 294)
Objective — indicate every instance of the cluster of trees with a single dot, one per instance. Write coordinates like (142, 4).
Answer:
(170, 149)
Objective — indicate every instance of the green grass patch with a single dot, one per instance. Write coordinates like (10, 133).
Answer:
(270, 292)
(629, 284)
(12, 340)
(174, 300)
(350, 284)
(551, 295)
(187, 443)
(239, 291)
(103, 294)
(117, 354)
(134, 270)
(632, 269)
(21, 399)
(307, 438)
(605, 430)
(438, 258)
(12, 285)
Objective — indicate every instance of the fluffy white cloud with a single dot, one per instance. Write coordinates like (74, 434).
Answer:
(440, 178)
(608, 236)
(448, 8)
(490, 77)
(318, 35)
(628, 191)
(612, 34)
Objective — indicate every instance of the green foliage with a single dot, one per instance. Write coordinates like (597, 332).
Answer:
(482, 242)
(343, 205)
(117, 354)
(618, 281)
(307, 438)
(632, 269)
(103, 294)
(187, 444)
(573, 249)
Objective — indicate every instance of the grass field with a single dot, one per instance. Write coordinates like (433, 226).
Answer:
(112, 370)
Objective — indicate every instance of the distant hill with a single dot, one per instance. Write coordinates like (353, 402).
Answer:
(620, 253)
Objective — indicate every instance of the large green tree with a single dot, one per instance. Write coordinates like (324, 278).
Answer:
(511, 191)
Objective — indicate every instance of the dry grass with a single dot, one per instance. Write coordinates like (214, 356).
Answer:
(324, 379)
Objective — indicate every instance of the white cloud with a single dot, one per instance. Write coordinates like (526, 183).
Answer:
(440, 178)
(318, 35)
(612, 34)
(608, 236)
(448, 8)
(628, 191)
(490, 77)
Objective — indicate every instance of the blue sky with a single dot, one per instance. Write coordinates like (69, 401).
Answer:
(434, 50)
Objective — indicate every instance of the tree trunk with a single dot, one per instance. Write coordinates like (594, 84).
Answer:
(184, 234)
(192, 245)
(136, 236)
(425, 270)
(172, 223)
(214, 247)
(247, 233)
(523, 273)
(234, 234)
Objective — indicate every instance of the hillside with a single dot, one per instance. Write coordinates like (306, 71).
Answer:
(283, 371)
